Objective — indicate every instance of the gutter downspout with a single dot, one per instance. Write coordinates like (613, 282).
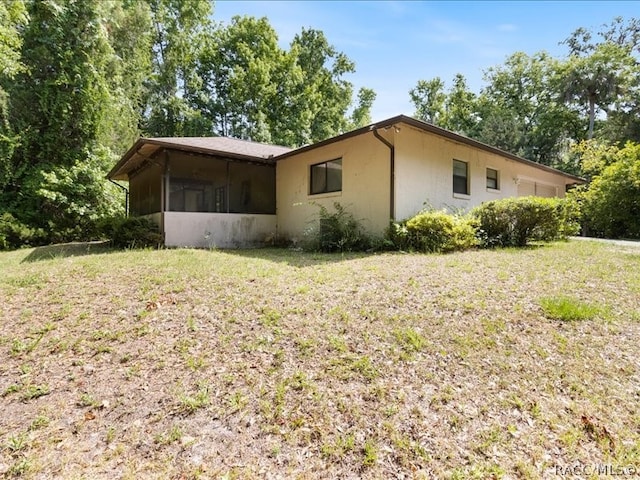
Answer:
(392, 173)
(126, 197)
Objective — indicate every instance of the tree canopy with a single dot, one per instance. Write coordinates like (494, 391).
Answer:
(537, 106)
(80, 80)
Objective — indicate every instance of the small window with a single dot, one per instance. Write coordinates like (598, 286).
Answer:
(326, 177)
(492, 179)
(460, 177)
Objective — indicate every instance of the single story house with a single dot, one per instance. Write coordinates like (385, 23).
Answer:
(224, 192)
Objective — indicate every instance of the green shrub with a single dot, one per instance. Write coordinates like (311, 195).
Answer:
(514, 222)
(433, 231)
(69, 201)
(135, 232)
(336, 231)
(611, 202)
(15, 234)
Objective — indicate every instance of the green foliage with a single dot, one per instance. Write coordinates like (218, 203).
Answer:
(601, 76)
(13, 16)
(337, 231)
(67, 104)
(536, 106)
(240, 74)
(456, 110)
(15, 234)
(433, 232)
(459, 108)
(361, 114)
(517, 111)
(514, 222)
(129, 26)
(81, 79)
(73, 200)
(611, 202)
(58, 101)
(568, 309)
(179, 32)
(428, 97)
(594, 82)
(134, 232)
(246, 86)
(520, 112)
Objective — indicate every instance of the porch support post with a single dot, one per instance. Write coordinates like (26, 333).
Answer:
(228, 186)
(164, 192)
(167, 181)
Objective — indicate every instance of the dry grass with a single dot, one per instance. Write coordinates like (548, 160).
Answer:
(279, 364)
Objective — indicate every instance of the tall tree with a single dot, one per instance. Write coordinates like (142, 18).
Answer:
(428, 98)
(521, 111)
(239, 73)
(461, 108)
(13, 17)
(361, 114)
(455, 109)
(178, 28)
(600, 80)
(622, 32)
(131, 35)
(313, 97)
(327, 95)
(602, 76)
(251, 88)
(61, 104)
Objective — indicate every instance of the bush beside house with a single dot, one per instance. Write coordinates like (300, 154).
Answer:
(336, 231)
(134, 232)
(510, 222)
(514, 222)
(434, 232)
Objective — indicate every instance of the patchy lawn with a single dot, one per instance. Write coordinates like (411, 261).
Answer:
(279, 364)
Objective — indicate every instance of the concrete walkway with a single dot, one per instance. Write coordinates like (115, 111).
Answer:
(620, 243)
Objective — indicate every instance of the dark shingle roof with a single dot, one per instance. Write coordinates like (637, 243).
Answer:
(245, 150)
(226, 147)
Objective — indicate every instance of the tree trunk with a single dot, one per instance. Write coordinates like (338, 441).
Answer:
(592, 117)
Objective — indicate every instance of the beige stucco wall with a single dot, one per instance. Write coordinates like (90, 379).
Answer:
(423, 177)
(217, 230)
(423, 174)
(365, 185)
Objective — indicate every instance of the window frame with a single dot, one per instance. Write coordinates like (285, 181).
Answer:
(497, 178)
(467, 189)
(325, 190)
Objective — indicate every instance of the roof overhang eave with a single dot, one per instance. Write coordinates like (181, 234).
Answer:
(120, 171)
(427, 127)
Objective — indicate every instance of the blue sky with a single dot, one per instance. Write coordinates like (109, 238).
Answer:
(396, 43)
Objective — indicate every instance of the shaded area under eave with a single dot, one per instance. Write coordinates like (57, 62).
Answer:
(145, 149)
